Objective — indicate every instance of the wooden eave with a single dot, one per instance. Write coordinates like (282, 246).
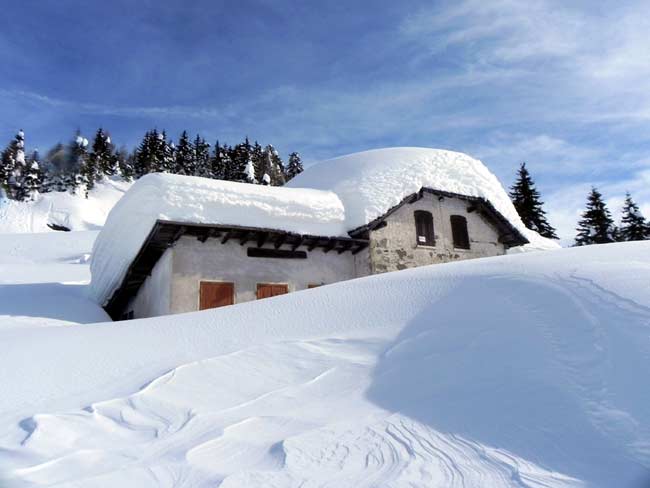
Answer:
(509, 235)
(164, 234)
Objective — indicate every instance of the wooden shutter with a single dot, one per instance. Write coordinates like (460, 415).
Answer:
(267, 290)
(459, 231)
(424, 228)
(215, 294)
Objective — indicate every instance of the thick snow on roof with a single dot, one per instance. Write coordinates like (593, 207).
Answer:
(371, 182)
(201, 200)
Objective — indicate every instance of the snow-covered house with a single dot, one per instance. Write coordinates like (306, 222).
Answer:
(178, 244)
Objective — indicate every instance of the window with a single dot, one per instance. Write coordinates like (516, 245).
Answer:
(424, 228)
(459, 231)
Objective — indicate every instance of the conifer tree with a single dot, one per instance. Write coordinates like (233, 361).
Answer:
(217, 169)
(103, 160)
(526, 200)
(240, 155)
(143, 156)
(15, 181)
(184, 156)
(633, 225)
(596, 225)
(125, 163)
(8, 164)
(202, 164)
(257, 156)
(32, 180)
(294, 167)
(167, 148)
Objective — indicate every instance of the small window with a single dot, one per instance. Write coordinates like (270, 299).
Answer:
(424, 228)
(459, 232)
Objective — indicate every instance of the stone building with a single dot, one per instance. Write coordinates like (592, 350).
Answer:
(187, 264)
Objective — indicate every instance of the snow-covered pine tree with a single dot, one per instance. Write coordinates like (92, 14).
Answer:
(596, 225)
(527, 201)
(203, 167)
(633, 225)
(125, 163)
(168, 148)
(257, 156)
(8, 164)
(250, 172)
(294, 167)
(32, 177)
(89, 171)
(240, 155)
(217, 162)
(15, 182)
(103, 154)
(184, 156)
(275, 166)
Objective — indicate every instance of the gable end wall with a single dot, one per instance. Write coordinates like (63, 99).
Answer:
(394, 247)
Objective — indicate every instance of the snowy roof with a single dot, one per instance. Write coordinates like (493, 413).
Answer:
(200, 200)
(370, 183)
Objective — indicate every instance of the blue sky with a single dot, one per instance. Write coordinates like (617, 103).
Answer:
(561, 85)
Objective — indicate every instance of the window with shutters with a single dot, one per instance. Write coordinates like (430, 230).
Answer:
(424, 228)
(459, 232)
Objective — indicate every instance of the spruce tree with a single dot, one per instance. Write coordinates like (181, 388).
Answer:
(32, 180)
(294, 167)
(143, 156)
(8, 164)
(184, 156)
(257, 156)
(596, 225)
(217, 167)
(526, 200)
(202, 164)
(102, 156)
(240, 155)
(633, 224)
(15, 181)
(168, 148)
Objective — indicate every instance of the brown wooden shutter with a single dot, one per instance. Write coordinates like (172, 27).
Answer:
(424, 228)
(459, 231)
(267, 290)
(214, 294)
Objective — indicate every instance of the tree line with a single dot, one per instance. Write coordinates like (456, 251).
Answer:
(78, 165)
(595, 226)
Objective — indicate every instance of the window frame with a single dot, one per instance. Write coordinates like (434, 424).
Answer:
(459, 243)
(424, 219)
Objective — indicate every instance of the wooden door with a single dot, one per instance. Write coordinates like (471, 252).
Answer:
(266, 290)
(216, 294)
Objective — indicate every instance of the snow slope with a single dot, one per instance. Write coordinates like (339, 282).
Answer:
(390, 380)
(43, 279)
(62, 208)
(371, 182)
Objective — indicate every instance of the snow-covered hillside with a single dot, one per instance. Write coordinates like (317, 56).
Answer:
(43, 279)
(62, 208)
(526, 370)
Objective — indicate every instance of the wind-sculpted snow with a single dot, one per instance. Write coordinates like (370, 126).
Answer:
(526, 371)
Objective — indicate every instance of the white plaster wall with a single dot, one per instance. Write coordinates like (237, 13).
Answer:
(154, 297)
(212, 261)
(395, 246)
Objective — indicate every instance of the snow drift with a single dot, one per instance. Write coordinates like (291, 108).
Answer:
(371, 182)
(525, 370)
(62, 208)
